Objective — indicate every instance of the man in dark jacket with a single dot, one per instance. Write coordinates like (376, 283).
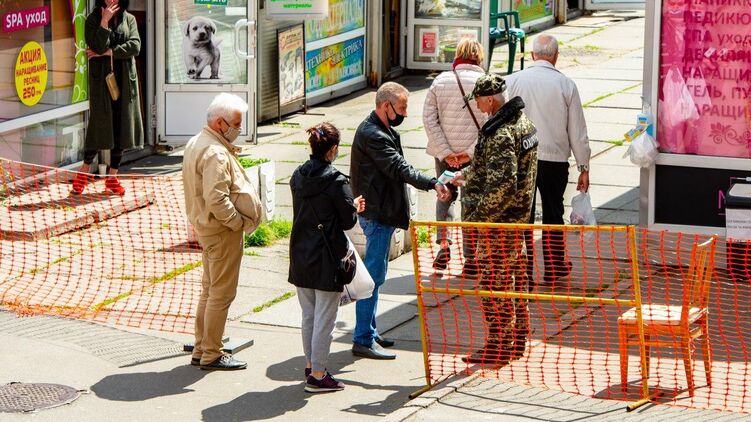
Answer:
(379, 172)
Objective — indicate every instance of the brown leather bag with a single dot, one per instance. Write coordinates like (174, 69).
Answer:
(112, 82)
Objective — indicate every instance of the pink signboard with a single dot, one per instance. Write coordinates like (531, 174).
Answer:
(705, 78)
(25, 19)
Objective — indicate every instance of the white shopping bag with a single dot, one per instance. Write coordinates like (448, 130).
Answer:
(361, 286)
(581, 210)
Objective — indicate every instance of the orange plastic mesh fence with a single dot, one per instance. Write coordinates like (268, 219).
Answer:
(124, 259)
(565, 334)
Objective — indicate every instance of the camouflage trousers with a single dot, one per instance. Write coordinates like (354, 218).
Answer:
(503, 268)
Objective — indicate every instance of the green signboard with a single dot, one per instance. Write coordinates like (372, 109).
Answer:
(211, 2)
(530, 10)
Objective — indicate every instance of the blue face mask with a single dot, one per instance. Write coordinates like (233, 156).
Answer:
(396, 121)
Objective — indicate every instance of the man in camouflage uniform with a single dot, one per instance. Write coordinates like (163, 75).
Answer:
(499, 188)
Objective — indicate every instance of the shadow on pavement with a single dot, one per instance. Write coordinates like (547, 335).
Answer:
(148, 385)
(259, 405)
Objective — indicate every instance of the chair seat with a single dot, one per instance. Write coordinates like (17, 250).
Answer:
(660, 315)
(497, 33)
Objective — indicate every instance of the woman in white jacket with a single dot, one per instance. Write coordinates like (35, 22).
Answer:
(452, 125)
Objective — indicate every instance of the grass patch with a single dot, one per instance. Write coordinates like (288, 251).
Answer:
(299, 143)
(273, 302)
(269, 232)
(590, 47)
(288, 125)
(247, 162)
(424, 235)
(602, 97)
(251, 253)
(151, 282)
(416, 129)
(345, 144)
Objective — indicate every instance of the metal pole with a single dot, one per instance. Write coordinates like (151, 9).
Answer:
(420, 311)
(639, 315)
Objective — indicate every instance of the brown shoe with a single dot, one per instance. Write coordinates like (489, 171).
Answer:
(490, 354)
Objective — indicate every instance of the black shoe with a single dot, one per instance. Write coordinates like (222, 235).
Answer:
(557, 273)
(375, 351)
(442, 259)
(225, 363)
(384, 342)
(195, 361)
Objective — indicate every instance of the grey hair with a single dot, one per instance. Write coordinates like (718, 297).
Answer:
(545, 46)
(500, 98)
(390, 92)
(224, 105)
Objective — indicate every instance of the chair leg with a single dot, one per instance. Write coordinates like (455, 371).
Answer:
(521, 48)
(688, 364)
(623, 350)
(511, 53)
(707, 352)
(491, 47)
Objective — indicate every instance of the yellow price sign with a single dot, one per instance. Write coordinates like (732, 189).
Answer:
(31, 73)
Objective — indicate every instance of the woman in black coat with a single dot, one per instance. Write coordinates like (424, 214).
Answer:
(323, 205)
(112, 37)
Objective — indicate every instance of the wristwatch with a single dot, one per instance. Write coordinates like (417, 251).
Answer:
(582, 167)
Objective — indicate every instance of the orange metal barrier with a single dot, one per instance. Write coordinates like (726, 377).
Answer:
(124, 260)
(501, 312)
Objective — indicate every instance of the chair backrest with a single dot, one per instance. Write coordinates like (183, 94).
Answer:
(696, 285)
(495, 15)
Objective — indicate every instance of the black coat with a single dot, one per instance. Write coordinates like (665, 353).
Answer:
(379, 172)
(318, 184)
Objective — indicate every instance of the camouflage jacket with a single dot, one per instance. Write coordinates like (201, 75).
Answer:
(501, 179)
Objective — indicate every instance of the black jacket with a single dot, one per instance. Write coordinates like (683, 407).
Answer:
(318, 184)
(379, 172)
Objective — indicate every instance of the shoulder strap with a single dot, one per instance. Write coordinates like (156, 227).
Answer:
(466, 103)
(320, 229)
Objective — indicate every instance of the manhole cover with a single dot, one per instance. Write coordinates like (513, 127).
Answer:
(19, 397)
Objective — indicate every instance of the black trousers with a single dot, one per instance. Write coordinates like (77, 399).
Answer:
(552, 179)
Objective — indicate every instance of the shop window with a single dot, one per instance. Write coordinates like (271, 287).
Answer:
(49, 23)
(52, 143)
(437, 43)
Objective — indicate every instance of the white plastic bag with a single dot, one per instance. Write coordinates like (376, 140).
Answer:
(643, 150)
(361, 286)
(581, 210)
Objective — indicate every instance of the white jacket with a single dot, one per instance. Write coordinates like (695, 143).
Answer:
(552, 103)
(447, 121)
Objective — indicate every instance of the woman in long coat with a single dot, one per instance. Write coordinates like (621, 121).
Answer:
(112, 36)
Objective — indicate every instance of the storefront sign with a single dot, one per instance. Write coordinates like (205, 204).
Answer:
(705, 79)
(31, 73)
(344, 16)
(211, 2)
(291, 65)
(333, 64)
(297, 9)
(428, 43)
(26, 19)
(530, 10)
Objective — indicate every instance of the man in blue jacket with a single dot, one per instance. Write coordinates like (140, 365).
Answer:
(379, 172)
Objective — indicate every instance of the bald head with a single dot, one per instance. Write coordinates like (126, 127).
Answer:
(545, 47)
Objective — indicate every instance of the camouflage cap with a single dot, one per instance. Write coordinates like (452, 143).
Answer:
(486, 85)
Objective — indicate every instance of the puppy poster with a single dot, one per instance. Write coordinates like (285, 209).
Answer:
(199, 43)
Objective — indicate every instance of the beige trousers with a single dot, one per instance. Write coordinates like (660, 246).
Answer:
(222, 254)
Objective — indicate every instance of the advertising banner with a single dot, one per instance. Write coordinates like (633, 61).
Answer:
(530, 10)
(428, 42)
(291, 65)
(31, 73)
(704, 92)
(443, 9)
(26, 19)
(199, 43)
(333, 64)
(344, 16)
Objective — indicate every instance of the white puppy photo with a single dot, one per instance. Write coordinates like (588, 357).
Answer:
(199, 48)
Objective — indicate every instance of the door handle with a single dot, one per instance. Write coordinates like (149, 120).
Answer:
(251, 25)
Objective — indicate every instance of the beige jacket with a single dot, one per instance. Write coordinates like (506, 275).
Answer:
(218, 194)
(447, 121)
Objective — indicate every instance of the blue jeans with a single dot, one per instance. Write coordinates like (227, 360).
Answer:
(377, 243)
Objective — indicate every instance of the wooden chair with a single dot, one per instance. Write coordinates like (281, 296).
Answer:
(668, 325)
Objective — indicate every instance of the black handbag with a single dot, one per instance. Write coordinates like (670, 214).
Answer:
(345, 267)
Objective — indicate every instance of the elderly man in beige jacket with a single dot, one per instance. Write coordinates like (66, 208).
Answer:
(451, 124)
(221, 203)
(554, 106)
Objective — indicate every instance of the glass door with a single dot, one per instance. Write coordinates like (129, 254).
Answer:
(203, 49)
